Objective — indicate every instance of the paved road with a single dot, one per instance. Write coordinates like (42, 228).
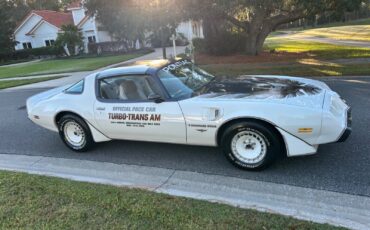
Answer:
(338, 167)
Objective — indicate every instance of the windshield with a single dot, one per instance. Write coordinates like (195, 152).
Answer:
(183, 79)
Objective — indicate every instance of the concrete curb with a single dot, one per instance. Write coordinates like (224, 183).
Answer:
(308, 204)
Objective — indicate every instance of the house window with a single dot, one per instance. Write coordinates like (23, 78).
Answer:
(91, 39)
(27, 45)
(49, 42)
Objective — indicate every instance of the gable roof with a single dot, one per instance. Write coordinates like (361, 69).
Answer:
(35, 27)
(54, 18)
(83, 21)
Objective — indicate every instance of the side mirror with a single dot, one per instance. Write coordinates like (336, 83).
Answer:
(156, 98)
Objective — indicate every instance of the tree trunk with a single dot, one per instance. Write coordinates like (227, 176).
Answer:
(256, 38)
(212, 26)
(261, 38)
(163, 44)
(164, 52)
(251, 44)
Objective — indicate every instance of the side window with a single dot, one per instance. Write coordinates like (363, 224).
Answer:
(49, 42)
(127, 88)
(76, 88)
(91, 39)
(27, 45)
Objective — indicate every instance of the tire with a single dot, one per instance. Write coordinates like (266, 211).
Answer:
(251, 145)
(75, 133)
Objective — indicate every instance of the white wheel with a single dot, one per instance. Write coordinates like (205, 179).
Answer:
(249, 147)
(74, 134)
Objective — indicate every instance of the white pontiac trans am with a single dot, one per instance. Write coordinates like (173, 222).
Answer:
(252, 118)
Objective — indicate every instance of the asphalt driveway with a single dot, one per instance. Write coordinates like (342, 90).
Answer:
(341, 167)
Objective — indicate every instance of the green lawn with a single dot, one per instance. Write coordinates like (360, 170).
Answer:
(63, 65)
(353, 30)
(294, 58)
(292, 69)
(14, 83)
(37, 202)
(316, 49)
(354, 33)
(364, 21)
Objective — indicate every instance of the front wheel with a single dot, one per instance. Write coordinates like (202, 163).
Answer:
(75, 133)
(251, 145)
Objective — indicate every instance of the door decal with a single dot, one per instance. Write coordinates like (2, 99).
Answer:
(140, 117)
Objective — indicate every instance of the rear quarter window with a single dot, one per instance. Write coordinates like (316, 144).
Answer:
(77, 88)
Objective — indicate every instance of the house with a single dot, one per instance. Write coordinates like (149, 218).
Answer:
(40, 28)
(88, 24)
(191, 29)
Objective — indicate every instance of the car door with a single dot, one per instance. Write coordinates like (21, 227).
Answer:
(123, 110)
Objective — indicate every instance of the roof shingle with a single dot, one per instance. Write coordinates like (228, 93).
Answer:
(55, 18)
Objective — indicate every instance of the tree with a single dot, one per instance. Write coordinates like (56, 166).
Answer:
(132, 20)
(6, 28)
(71, 38)
(256, 19)
(63, 4)
(123, 19)
(43, 4)
(163, 18)
(18, 9)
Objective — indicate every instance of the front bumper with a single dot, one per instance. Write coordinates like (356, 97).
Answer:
(348, 130)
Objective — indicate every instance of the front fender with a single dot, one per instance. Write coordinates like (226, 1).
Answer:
(292, 119)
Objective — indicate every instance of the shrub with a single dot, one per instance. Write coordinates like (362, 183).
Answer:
(108, 47)
(181, 40)
(225, 43)
(155, 40)
(200, 45)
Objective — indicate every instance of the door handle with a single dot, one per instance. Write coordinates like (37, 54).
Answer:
(100, 108)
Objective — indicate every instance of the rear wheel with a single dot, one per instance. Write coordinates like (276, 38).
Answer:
(251, 145)
(75, 133)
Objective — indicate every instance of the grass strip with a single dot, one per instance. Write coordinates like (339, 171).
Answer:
(294, 69)
(316, 49)
(14, 83)
(64, 65)
(39, 202)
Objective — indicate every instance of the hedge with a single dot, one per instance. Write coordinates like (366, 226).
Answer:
(32, 53)
(225, 43)
(107, 47)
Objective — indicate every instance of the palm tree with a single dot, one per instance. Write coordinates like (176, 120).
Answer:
(71, 39)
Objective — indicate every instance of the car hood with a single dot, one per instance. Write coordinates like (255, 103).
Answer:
(277, 89)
